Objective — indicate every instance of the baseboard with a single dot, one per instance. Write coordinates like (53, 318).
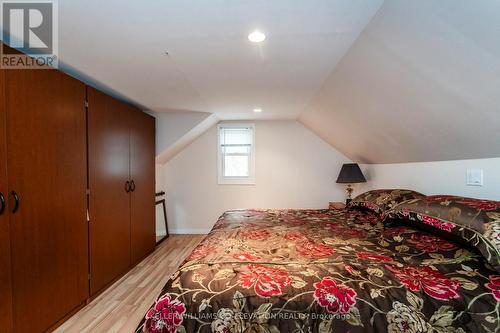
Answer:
(189, 231)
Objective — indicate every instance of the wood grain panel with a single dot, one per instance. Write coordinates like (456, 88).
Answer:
(46, 148)
(109, 204)
(142, 172)
(5, 284)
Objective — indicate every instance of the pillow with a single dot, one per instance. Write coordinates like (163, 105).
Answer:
(474, 221)
(381, 200)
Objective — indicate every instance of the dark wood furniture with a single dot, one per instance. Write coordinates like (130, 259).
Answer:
(5, 283)
(68, 152)
(121, 183)
(46, 163)
(109, 200)
(336, 205)
(142, 177)
(164, 212)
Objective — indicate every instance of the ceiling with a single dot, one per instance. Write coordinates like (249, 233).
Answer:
(381, 81)
(211, 67)
(421, 83)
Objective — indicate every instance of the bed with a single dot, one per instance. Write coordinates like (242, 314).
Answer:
(326, 271)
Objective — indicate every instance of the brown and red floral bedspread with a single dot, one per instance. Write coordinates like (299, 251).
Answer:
(325, 271)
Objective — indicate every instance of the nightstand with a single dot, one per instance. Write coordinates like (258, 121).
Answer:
(336, 205)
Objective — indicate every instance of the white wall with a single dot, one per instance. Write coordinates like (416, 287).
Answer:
(447, 177)
(294, 169)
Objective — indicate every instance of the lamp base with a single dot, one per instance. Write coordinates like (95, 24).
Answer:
(348, 191)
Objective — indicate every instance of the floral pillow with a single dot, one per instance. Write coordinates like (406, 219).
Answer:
(474, 221)
(381, 200)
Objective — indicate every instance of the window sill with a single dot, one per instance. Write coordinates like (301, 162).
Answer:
(245, 181)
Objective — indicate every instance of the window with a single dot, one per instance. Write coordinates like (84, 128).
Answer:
(236, 154)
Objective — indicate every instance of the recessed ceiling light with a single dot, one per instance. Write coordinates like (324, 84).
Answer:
(257, 110)
(256, 36)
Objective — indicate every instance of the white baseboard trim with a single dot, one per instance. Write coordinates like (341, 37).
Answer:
(189, 231)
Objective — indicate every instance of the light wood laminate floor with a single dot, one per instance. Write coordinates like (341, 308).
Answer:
(122, 306)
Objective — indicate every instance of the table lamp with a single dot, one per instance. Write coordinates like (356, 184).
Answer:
(350, 174)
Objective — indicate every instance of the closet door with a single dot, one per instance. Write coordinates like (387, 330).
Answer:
(142, 173)
(46, 163)
(109, 204)
(5, 286)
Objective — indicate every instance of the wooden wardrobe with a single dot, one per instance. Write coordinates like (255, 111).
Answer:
(5, 271)
(121, 183)
(47, 176)
(69, 223)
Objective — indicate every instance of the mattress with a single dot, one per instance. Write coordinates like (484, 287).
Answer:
(325, 271)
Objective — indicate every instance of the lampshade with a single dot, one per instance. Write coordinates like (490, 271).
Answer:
(350, 174)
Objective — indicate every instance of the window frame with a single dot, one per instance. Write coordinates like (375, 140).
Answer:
(223, 180)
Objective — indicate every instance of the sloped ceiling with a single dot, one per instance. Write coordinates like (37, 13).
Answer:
(172, 126)
(381, 81)
(175, 131)
(421, 83)
(212, 66)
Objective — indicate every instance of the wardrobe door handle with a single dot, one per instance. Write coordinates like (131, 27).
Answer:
(16, 201)
(127, 186)
(132, 186)
(2, 203)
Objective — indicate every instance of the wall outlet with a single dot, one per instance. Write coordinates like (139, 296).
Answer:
(474, 177)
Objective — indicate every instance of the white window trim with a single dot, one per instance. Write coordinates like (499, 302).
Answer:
(250, 180)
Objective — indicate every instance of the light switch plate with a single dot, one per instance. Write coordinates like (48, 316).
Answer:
(474, 177)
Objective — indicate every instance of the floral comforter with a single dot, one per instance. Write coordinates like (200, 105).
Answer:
(325, 271)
